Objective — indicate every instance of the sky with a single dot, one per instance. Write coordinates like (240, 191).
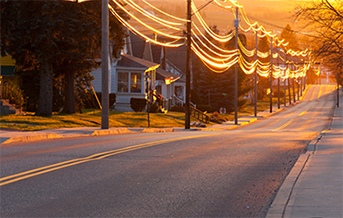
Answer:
(276, 12)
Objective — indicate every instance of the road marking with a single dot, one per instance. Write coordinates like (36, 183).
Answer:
(302, 113)
(284, 125)
(98, 156)
(320, 91)
(313, 91)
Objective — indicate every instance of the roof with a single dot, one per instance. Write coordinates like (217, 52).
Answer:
(176, 56)
(134, 62)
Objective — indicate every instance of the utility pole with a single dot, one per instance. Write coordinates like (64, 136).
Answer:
(295, 100)
(255, 93)
(188, 65)
(278, 82)
(338, 87)
(271, 75)
(289, 84)
(284, 92)
(298, 92)
(104, 67)
(236, 24)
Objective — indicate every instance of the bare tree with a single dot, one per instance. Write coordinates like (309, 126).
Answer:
(325, 19)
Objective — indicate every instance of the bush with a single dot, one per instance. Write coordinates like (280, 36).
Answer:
(138, 104)
(153, 108)
(93, 103)
(195, 99)
(242, 103)
(178, 108)
(204, 108)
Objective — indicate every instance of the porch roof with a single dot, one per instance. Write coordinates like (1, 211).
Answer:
(131, 61)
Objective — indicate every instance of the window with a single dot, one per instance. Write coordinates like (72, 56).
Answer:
(179, 92)
(136, 83)
(123, 82)
(129, 82)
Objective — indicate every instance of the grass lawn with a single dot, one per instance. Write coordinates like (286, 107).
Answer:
(91, 118)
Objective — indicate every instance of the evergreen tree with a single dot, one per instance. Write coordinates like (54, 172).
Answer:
(55, 37)
(219, 87)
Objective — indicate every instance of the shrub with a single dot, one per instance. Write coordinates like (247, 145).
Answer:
(138, 104)
(178, 108)
(153, 108)
(242, 103)
(195, 99)
(93, 103)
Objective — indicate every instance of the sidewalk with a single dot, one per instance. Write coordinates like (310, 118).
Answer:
(12, 136)
(314, 187)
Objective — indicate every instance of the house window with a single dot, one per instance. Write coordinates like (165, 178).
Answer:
(123, 82)
(179, 92)
(136, 83)
(129, 82)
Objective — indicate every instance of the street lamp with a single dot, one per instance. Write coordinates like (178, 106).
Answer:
(104, 63)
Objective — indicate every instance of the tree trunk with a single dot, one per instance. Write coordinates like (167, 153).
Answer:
(69, 93)
(45, 91)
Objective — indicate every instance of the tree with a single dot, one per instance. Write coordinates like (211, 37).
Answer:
(263, 82)
(219, 88)
(55, 37)
(290, 36)
(325, 19)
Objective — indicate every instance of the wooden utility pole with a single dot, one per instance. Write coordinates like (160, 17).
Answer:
(256, 56)
(271, 75)
(236, 24)
(104, 67)
(188, 66)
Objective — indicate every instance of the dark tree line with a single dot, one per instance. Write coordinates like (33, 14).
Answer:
(217, 89)
(55, 39)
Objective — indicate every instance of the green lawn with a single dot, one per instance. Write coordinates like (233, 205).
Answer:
(91, 118)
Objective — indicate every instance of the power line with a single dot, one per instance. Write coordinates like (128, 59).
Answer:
(274, 25)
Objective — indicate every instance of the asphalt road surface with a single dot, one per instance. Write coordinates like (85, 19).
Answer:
(232, 173)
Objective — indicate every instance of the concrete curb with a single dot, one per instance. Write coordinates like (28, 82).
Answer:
(277, 209)
(284, 194)
(110, 131)
(31, 138)
(149, 130)
(44, 136)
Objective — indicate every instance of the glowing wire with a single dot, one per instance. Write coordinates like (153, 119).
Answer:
(144, 24)
(123, 21)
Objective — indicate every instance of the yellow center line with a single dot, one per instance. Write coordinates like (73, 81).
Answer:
(320, 91)
(98, 156)
(313, 91)
(284, 125)
(302, 113)
(327, 89)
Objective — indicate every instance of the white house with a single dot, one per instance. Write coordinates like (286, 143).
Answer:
(129, 80)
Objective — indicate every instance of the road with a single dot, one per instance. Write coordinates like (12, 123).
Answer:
(232, 173)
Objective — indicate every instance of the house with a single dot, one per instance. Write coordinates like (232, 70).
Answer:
(130, 78)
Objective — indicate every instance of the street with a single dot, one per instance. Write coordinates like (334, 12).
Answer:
(233, 173)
